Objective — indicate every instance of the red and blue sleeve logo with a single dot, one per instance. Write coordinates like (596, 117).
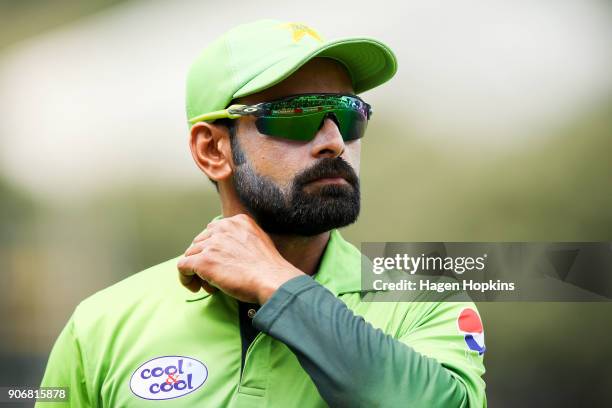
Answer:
(470, 326)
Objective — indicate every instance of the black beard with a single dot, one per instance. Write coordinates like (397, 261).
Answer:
(297, 212)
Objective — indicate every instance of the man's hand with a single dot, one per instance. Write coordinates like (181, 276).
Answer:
(235, 255)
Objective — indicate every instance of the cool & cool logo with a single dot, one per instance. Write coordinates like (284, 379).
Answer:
(168, 377)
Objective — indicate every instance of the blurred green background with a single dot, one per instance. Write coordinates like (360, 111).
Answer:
(497, 127)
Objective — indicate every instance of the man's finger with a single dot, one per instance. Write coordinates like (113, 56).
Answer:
(191, 282)
(195, 248)
(202, 236)
(184, 266)
(188, 276)
(208, 287)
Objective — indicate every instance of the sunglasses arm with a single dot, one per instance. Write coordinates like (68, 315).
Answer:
(229, 113)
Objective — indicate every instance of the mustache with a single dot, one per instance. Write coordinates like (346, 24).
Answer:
(328, 167)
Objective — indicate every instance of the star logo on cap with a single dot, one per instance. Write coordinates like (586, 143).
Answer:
(299, 30)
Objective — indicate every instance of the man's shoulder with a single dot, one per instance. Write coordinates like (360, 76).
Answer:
(133, 296)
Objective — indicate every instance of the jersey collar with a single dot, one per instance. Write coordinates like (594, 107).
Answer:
(340, 268)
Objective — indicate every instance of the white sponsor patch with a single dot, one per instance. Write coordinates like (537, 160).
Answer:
(168, 377)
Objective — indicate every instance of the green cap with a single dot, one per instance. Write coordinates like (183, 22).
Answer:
(255, 56)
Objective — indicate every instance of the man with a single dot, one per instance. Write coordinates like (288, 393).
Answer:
(276, 125)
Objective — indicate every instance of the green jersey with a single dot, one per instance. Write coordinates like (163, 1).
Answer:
(148, 341)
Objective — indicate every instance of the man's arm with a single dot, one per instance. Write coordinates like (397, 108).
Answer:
(65, 369)
(352, 363)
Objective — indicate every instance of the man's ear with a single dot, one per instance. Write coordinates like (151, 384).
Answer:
(211, 150)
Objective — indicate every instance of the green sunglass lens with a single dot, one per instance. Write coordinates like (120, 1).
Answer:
(302, 128)
(351, 124)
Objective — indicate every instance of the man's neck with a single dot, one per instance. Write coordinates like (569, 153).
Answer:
(302, 252)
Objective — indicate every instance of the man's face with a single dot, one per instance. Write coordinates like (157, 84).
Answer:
(295, 187)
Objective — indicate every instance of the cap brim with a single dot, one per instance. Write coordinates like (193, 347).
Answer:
(369, 62)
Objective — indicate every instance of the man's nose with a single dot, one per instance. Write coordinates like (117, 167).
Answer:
(328, 141)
